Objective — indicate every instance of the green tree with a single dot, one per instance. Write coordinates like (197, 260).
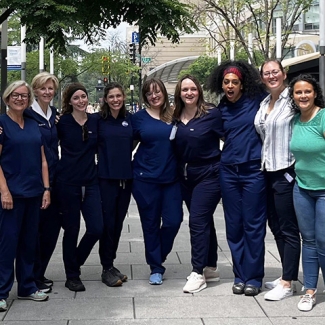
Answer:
(89, 19)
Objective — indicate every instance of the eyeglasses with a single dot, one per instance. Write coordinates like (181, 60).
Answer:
(273, 72)
(156, 93)
(17, 95)
(85, 134)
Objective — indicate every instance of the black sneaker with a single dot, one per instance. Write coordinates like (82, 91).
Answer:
(43, 287)
(75, 285)
(110, 278)
(117, 272)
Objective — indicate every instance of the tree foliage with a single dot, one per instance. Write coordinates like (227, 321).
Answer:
(56, 20)
(232, 20)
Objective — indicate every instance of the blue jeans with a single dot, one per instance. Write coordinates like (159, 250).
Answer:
(310, 211)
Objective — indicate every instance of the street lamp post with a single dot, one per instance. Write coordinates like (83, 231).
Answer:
(322, 45)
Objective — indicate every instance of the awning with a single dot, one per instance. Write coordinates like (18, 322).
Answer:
(300, 59)
(169, 71)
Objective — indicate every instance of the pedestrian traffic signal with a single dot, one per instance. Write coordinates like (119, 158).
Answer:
(105, 81)
(132, 52)
(105, 64)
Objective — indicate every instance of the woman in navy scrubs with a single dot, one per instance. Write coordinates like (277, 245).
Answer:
(115, 143)
(156, 188)
(24, 188)
(77, 182)
(44, 87)
(199, 129)
(242, 182)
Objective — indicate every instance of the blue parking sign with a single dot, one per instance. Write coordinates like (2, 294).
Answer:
(135, 37)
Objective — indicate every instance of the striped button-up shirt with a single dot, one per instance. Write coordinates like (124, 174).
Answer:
(275, 130)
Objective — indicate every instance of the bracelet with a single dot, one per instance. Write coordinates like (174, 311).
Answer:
(47, 189)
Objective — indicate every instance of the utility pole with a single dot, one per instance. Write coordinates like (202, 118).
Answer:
(132, 59)
(23, 52)
(4, 44)
(140, 70)
(322, 45)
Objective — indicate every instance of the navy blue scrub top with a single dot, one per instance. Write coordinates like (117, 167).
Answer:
(77, 164)
(21, 158)
(242, 142)
(50, 138)
(115, 144)
(199, 139)
(154, 160)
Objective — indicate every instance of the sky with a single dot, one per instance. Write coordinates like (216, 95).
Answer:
(121, 29)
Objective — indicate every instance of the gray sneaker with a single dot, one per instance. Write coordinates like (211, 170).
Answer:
(117, 272)
(36, 296)
(110, 278)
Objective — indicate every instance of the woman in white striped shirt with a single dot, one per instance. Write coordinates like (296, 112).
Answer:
(273, 122)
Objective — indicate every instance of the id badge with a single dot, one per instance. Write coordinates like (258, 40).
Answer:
(173, 132)
(288, 177)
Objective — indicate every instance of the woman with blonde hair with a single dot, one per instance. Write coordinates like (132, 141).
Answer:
(24, 189)
(44, 87)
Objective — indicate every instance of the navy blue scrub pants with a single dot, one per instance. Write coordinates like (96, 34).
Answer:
(50, 223)
(243, 190)
(116, 195)
(161, 214)
(18, 240)
(282, 220)
(201, 193)
(73, 200)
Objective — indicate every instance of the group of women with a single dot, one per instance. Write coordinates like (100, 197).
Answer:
(263, 174)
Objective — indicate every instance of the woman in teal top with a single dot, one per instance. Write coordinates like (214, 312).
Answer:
(308, 146)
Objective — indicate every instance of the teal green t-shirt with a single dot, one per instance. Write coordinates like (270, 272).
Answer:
(308, 147)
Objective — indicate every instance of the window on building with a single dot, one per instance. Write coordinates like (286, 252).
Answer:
(311, 20)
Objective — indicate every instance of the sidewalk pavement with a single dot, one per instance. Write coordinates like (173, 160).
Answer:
(139, 303)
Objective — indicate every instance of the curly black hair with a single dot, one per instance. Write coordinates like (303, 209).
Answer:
(252, 85)
(319, 99)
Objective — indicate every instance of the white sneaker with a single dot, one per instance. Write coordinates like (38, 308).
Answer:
(195, 283)
(272, 284)
(278, 293)
(307, 302)
(211, 274)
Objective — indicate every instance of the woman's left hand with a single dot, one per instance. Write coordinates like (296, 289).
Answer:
(46, 200)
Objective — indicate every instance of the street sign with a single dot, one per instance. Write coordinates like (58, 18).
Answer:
(146, 60)
(135, 37)
(14, 58)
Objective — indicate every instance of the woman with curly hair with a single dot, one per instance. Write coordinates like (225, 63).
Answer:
(156, 188)
(241, 180)
(308, 146)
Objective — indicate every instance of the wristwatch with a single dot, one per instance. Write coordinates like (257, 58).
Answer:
(47, 189)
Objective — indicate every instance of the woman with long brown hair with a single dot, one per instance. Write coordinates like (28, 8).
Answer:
(156, 188)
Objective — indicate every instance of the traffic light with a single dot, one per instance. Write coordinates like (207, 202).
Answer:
(105, 64)
(105, 81)
(132, 52)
